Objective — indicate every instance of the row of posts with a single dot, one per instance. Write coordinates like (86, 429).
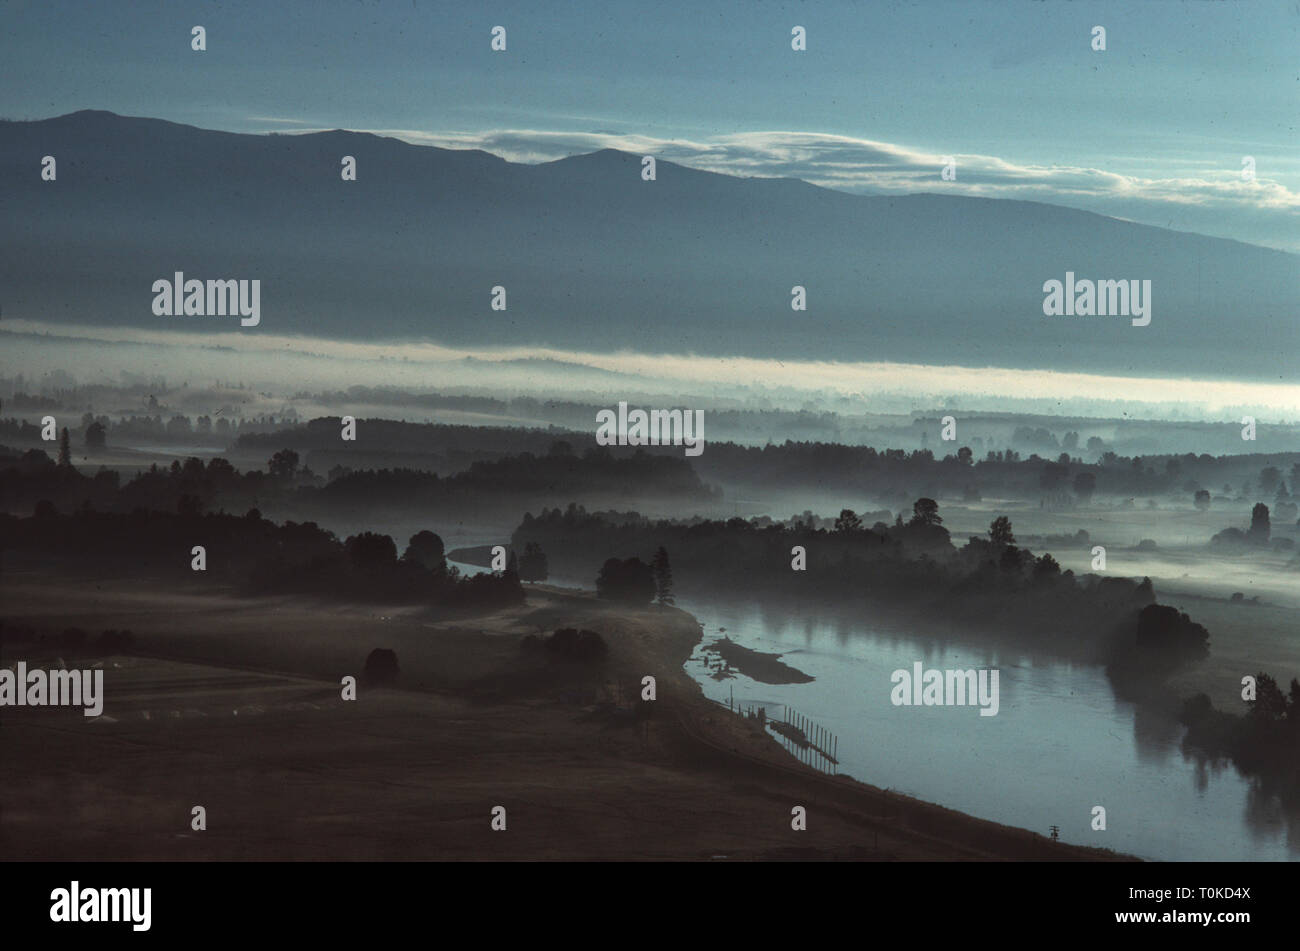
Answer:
(816, 734)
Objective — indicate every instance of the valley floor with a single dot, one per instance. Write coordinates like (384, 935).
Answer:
(234, 704)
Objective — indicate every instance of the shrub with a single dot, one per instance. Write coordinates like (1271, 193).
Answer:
(381, 666)
(572, 644)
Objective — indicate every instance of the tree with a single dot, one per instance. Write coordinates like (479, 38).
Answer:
(1162, 627)
(1270, 702)
(848, 521)
(1202, 499)
(511, 574)
(370, 550)
(425, 548)
(1259, 525)
(631, 580)
(1046, 567)
(1085, 484)
(96, 436)
(926, 512)
(65, 451)
(283, 465)
(1013, 559)
(965, 456)
(663, 577)
(533, 565)
(1000, 532)
(1053, 475)
(1268, 478)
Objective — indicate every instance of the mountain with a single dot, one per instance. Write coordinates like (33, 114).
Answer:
(594, 258)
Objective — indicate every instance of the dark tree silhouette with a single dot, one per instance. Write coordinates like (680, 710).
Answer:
(1085, 484)
(1259, 525)
(631, 580)
(1202, 499)
(511, 574)
(370, 550)
(572, 644)
(96, 436)
(1270, 702)
(1046, 567)
(283, 465)
(1166, 628)
(381, 666)
(663, 577)
(848, 521)
(65, 451)
(1000, 532)
(533, 565)
(926, 512)
(1052, 476)
(425, 548)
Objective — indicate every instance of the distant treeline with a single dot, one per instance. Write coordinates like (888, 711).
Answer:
(1059, 478)
(254, 554)
(1062, 478)
(511, 483)
(560, 472)
(388, 435)
(988, 583)
(894, 474)
(100, 431)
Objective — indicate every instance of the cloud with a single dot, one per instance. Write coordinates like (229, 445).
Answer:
(300, 362)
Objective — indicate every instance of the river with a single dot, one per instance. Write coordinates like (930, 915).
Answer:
(1060, 744)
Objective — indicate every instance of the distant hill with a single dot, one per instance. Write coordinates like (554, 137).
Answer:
(594, 258)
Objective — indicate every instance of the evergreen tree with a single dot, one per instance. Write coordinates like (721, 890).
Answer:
(533, 565)
(848, 521)
(1000, 532)
(663, 577)
(1259, 523)
(65, 450)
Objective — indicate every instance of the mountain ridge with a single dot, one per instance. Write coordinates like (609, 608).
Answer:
(594, 258)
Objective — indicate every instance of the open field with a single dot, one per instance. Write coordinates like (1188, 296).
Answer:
(234, 704)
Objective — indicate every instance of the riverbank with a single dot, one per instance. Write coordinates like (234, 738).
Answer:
(234, 704)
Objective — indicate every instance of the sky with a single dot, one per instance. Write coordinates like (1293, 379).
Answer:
(1154, 128)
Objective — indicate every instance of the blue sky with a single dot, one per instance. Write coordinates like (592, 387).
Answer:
(1153, 129)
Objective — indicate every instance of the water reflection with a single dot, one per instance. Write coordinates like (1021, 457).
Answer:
(1061, 743)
